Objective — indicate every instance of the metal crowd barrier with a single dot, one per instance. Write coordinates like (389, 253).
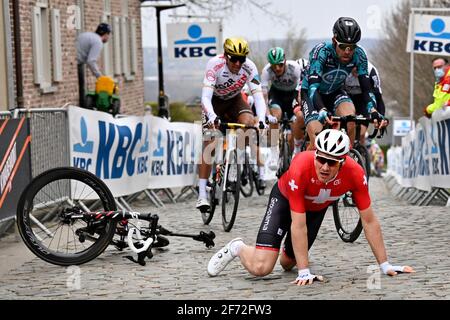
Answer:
(50, 148)
(437, 196)
(49, 136)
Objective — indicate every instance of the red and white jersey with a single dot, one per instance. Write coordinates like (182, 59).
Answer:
(305, 192)
(226, 84)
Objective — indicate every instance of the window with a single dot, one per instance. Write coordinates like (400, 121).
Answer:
(129, 43)
(56, 46)
(116, 44)
(45, 57)
(108, 47)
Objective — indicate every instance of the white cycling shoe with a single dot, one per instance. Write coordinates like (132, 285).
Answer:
(221, 259)
(202, 204)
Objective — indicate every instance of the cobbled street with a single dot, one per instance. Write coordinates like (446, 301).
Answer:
(415, 236)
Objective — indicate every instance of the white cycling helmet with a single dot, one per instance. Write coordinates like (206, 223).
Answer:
(333, 142)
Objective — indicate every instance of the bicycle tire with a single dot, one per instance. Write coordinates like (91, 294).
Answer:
(286, 156)
(260, 191)
(230, 190)
(208, 214)
(345, 211)
(247, 177)
(50, 187)
(366, 157)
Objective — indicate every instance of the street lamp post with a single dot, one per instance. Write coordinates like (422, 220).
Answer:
(163, 101)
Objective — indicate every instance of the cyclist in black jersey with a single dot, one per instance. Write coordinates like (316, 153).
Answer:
(329, 66)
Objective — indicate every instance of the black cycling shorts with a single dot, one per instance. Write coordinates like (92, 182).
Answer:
(282, 99)
(277, 223)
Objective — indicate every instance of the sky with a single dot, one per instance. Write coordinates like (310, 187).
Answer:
(316, 16)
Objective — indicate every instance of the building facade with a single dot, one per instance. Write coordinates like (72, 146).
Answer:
(47, 60)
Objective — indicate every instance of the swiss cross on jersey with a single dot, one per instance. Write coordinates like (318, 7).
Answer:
(323, 197)
(305, 192)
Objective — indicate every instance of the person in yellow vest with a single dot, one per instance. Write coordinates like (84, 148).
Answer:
(441, 92)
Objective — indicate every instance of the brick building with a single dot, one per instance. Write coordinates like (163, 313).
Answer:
(47, 59)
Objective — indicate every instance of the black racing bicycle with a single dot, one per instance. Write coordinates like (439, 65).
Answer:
(224, 184)
(68, 216)
(346, 216)
(285, 150)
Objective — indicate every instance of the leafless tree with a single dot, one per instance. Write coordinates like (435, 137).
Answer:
(293, 43)
(393, 62)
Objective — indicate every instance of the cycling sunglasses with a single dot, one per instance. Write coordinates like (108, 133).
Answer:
(235, 59)
(344, 46)
(330, 162)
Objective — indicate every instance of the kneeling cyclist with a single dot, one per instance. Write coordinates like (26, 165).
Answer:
(296, 210)
(225, 76)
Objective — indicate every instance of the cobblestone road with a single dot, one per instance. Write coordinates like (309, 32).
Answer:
(417, 236)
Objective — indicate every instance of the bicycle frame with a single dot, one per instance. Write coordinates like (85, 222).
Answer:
(139, 239)
(231, 139)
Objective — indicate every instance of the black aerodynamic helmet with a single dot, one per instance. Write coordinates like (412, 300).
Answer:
(347, 30)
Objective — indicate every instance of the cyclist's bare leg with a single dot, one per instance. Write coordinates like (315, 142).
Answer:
(249, 120)
(274, 127)
(204, 169)
(297, 127)
(257, 261)
(347, 109)
(362, 136)
(286, 262)
(313, 128)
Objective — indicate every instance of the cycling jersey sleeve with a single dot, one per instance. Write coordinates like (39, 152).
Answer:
(315, 71)
(254, 85)
(364, 83)
(209, 82)
(207, 93)
(360, 191)
(265, 78)
(297, 196)
(362, 67)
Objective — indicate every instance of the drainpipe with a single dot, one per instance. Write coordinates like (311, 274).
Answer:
(18, 54)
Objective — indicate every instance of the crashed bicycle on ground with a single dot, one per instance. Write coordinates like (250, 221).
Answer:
(68, 216)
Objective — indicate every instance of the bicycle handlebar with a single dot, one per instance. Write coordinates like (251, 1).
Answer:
(358, 120)
(232, 125)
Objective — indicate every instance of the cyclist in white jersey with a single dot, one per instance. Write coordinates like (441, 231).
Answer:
(284, 78)
(225, 77)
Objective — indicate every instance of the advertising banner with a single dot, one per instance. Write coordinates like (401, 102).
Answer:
(174, 154)
(194, 40)
(429, 34)
(114, 149)
(423, 160)
(15, 165)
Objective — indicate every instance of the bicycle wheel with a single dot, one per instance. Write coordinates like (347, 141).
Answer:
(230, 191)
(213, 199)
(44, 216)
(285, 158)
(246, 178)
(346, 215)
(366, 158)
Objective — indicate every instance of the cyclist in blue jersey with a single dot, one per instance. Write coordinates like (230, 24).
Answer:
(329, 65)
